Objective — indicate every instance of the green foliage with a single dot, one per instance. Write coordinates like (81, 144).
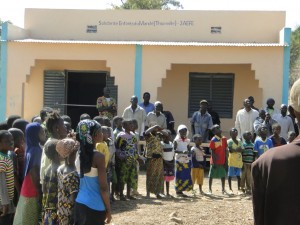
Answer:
(149, 4)
(295, 56)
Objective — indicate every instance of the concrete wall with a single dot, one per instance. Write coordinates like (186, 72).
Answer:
(155, 25)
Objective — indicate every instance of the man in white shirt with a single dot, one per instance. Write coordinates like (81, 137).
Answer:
(136, 112)
(157, 117)
(245, 118)
(284, 121)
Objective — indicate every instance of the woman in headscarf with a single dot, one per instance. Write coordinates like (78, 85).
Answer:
(29, 207)
(92, 206)
(183, 179)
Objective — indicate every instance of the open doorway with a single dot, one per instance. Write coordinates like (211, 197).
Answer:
(83, 89)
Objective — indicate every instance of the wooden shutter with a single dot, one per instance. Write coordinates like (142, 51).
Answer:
(54, 90)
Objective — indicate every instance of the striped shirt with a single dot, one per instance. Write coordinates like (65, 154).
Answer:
(248, 153)
(6, 167)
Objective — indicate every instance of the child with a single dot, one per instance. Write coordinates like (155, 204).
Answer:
(198, 162)
(235, 161)
(291, 136)
(31, 193)
(168, 157)
(102, 146)
(127, 155)
(19, 149)
(248, 159)
(155, 170)
(277, 140)
(68, 180)
(49, 186)
(183, 179)
(218, 146)
(6, 179)
(262, 143)
(117, 122)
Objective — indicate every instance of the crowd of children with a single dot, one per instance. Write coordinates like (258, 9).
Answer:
(48, 172)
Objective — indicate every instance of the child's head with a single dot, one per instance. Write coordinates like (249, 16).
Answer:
(20, 124)
(106, 121)
(270, 102)
(182, 131)
(18, 136)
(262, 131)
(247, 136)
(36, 119)
(167, 138)
(6, 141)
(276, 128)
(127, 125)
(135, 125)
(66, 118)
(117, 121)
(11, 119)
(68, 126)
(85, 116)
(34, 134)
(105, 132)
(197, 138)
(67, 148)
(233, 133)
(55, 125)
(50, 150)
(216, 130)
(291, 136)
(3, 125)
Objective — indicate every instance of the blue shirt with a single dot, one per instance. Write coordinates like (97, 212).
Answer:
(89, 190)
(148, 108)
(202, 124)
(261, 146)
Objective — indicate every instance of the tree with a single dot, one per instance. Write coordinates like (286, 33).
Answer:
(295, 56)
(149, 4)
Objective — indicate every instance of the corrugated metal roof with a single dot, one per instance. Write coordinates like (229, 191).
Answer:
(155, 43)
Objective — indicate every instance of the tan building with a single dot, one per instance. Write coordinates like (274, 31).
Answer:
(64, 58)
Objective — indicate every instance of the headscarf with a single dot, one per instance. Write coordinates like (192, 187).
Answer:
(66, 146)
(85, 131)
(33, 151)
(180, 127)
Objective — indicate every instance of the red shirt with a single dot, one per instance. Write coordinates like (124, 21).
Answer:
(218, 146)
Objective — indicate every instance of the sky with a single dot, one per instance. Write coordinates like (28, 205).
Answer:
(13, 10)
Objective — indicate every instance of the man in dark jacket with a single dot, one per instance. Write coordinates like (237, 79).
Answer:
(276, 183)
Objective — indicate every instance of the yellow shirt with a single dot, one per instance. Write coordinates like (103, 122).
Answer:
(103, 148)
(235, 159)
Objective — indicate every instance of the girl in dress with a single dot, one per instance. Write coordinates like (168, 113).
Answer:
(183, 179)
(68, 180)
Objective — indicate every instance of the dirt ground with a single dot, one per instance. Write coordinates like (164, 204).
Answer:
(196, 209)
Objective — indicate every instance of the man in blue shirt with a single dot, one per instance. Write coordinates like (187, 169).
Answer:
(201, 121)
(147, 105)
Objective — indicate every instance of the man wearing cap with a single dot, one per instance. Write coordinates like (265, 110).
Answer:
(156, 116)
(245, 118)
(275, 175)
(201, 121)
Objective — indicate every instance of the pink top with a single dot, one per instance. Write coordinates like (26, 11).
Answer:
(28, 188)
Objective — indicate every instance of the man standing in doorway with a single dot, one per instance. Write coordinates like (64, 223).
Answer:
(106, 105)
(201, 121)
(147, 105)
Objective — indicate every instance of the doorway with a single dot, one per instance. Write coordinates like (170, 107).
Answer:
(83, 89)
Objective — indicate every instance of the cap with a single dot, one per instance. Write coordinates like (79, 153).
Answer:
(295, 96)
(214, 126)
(203, 101)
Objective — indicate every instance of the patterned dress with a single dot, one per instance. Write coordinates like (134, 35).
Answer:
(103, 102)
(155, 169)
(68, 187)
(126, 160)
(50, 197)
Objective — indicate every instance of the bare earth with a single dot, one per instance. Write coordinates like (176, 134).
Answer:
(196, 209)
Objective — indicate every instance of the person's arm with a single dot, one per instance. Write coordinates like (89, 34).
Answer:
(100, 164)
(237, 125)
(3, 194)
(153, 129)
(193, 123)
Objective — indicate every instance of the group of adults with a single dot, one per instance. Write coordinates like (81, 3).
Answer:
(145, 113)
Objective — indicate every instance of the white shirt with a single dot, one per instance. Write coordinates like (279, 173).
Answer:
(244, 121)
(139, 114)
(286, 124)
